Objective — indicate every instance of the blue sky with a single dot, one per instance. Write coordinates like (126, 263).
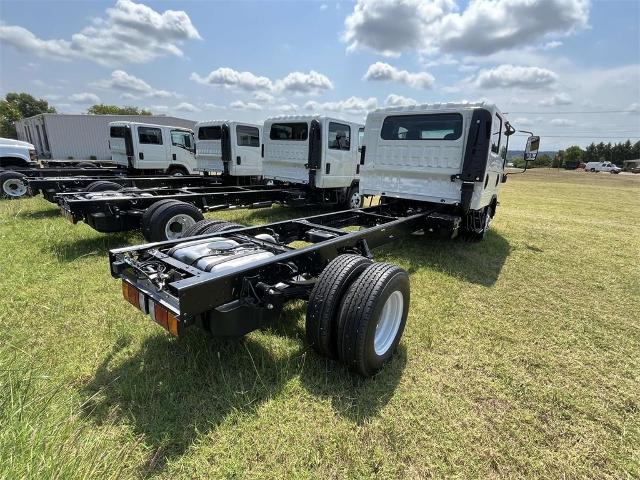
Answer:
(540, 60)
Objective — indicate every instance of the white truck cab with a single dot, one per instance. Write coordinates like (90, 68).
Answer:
(229, 148)
(158, 148)
(602, 167)
(16, 153)
(452, 156)
(318, 151)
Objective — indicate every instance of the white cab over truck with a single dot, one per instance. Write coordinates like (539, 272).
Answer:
(318, 152)
(228, 148)
(602, 167)
(15, 153)
(448, 155)
(152, 148)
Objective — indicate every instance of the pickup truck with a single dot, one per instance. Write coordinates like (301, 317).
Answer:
(15, 153)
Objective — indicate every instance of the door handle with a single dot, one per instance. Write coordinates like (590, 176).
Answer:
(141, 156)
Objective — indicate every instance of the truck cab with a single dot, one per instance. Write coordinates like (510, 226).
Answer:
(452, 156)
(16, 153)
(317, 151)
(153, 148)
(229, 148)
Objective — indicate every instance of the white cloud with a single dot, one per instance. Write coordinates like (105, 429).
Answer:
(394, 100)
(350, 105)
(522, 122)
(212, 106)
(381, 71)
(299, 82)
(556, 100)
(294, 82)
(263, 97)
(159, 108)
(227, 77)
(121, 80)
(390, 27)
(287, 108)
(130, 33)
(84, 98)
(186, 107)
(485, 26)
(551, 45)
(634, 108)
(508, 76)
(240, 105)
(562, 122)
(324, 6)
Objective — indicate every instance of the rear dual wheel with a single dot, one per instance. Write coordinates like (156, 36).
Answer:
(103, 186)
(169, 219)
(357, 312)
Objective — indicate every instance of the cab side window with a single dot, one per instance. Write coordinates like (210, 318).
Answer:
(496, 135)
(339, 136)
(247, 136)
(150, 136)
(181, 139)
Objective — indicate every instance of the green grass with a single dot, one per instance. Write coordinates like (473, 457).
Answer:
(521, 358)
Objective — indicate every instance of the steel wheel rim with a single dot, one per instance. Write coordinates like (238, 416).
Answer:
(388, 323)
(14, 187)
(176, 226)
(355, 200)
(178, 174)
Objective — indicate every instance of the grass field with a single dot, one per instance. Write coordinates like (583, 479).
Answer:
(521, 358)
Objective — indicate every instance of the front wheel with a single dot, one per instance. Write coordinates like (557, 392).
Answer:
(477, 224)
(170, 220)
(354, 199)
(13, 185)
(177, 172)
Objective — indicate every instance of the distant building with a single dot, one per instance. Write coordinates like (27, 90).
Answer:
(629, 165)
(83, 137)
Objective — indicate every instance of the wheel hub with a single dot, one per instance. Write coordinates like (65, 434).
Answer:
(176, 226)
(14, 187)
(388, 323)
(355, 200)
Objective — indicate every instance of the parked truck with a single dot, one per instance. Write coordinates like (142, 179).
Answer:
(436, 169)
(146, 148)
(307, 161)
(229, 149)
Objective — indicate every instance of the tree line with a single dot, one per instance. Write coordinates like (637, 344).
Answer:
(16, 106)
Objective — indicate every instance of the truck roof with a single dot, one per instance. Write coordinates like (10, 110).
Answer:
(208, 123)
(437, 107)
(306, 118)
(124, 122)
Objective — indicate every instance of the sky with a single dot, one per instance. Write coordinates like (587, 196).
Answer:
(569, 70)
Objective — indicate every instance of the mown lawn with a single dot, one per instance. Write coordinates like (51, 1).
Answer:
(521, 358)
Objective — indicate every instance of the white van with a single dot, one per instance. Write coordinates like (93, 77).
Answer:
(317, 151)
(153, 148)
(229, 148)
(602, 167)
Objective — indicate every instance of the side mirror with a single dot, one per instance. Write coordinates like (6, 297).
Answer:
(531, 150)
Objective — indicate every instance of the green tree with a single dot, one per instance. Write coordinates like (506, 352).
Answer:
(102, 109)
(19, 105)
(573, 155)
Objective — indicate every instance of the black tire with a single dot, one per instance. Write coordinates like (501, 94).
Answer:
(85, 165)
(222, 227)
(103, 186)
(361, 311)
(177, 171)
(353, 199)
(325, 299)
(199, 227)
(164, 218)
(148, 214)
(13, 185)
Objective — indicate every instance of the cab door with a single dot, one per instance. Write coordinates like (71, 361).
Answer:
(247, 158)
(339, 163)
(152, 148)
(182, 149)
